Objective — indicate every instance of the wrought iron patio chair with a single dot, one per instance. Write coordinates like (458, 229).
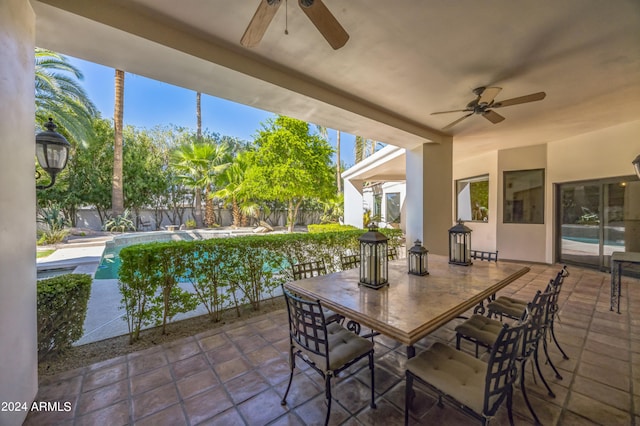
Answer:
(392, 253)
(328, 348)
(476, 387)
(510, 307)
(314, 269)
(350, 261)
(484, 331)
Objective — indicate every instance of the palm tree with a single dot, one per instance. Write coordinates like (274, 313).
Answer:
(60, 96)
(117, 190)
(198, 165)
(232, 192)
(365, 147)
(198, 116)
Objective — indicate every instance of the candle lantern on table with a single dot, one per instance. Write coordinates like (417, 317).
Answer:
(460, 244)
(373, 259)
(417, 259)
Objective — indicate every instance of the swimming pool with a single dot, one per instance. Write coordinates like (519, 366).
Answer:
(110, 261)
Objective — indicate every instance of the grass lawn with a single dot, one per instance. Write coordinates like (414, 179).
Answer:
(44, 253)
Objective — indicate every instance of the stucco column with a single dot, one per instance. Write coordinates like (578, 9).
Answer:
(632, 216)
(18, 341)
(353, 203)
(429, 195)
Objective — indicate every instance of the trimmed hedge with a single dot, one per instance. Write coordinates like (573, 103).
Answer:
(330, 227)
(224, 272)
(62, 308)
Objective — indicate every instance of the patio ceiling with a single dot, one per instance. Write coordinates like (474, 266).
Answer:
(403, 61)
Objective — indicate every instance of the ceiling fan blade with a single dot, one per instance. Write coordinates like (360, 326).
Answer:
(450, 125)
(447, 112)
(260, 22)
(325, 22)
(489, 94)
(492, 116)
(520, 100)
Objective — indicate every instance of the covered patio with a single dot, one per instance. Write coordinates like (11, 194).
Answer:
(403, 61)
(237, 374)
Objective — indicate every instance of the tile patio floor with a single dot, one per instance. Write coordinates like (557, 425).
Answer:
(237, 374)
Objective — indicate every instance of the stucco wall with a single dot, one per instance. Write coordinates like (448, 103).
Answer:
(602, 154)
(483, 235)
(519, 240)
(18, 349)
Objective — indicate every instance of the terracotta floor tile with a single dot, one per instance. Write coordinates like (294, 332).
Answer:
(189, 366)
(172, 415)
(154, 400)
(102, 397)
(222, 354)
(113, 415)
(196, 383)
(262, 408)
(231, 369)
(230, 417)
(214, 341)
(150, 380)
(144, 363)
(246, 386)
(264, 355)
(105, 376)
(184, 348)
(596, 411)
(207, 405)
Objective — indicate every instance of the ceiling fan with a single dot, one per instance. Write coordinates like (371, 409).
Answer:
(315, 10)
(484, 103)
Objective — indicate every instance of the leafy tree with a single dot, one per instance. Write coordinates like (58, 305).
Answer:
(290, 165)
(145, 178)
(59, 95)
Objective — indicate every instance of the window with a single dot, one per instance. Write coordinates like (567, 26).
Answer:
(524, 196)
(473, 199)
(377, 206)
(393, 207)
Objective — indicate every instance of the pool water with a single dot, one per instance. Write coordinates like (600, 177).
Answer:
(109, 265)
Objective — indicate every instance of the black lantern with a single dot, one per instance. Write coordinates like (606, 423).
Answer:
(52, 152)
(373, 259)
(636, 165)
(417, 259)
(460, 244)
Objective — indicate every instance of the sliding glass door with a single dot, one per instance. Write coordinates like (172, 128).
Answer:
(591, 221)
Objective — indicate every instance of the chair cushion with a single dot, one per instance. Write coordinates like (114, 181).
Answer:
(513, 308)
(480, 328)
(453, 372)
(344, 346)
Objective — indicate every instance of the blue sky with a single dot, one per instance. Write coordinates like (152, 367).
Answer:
(150, 102)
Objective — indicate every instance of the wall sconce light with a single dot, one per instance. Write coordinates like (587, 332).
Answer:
(460, 244)
(418, 259)
(636, 165)
(52, 152)
(373, 259)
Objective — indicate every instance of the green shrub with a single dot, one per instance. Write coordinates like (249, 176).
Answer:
(54, 223)
(329, 227)
(62, 308)
(191, 224)
(120, 223)
(225, 272)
